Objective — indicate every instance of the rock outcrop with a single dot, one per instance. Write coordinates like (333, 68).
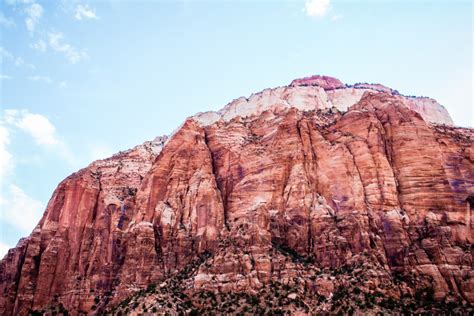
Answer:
(319, 92)
(318, 190)
(77, 248)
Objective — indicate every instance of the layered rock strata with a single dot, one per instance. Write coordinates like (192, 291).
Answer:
(337, 176)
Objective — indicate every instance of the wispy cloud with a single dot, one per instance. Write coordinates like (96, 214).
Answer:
(43, 79)
(34, 12)
(63, 84)
(41, 129)
(56, 42)
(17, 61)
(6, 54)
(19, 209)
(4, 77)
(40, 46)
(84, 12)
(317, 8)
(336, 17)
(37, 125)
(6, 162)
(5, 21)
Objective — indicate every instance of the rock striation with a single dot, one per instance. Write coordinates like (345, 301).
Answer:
(77, 247)
(328, 193)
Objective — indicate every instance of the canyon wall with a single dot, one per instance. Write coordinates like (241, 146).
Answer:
(333, 174)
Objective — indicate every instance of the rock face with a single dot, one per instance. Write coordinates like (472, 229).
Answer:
(77, 247)
(277, 191)
(319, 92)
(325, 82)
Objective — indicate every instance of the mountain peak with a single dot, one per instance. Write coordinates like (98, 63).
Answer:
(277, 193)
(315, 93)
(325, 82)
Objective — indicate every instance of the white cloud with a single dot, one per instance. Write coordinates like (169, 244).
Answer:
(4, 249)
(9, 116)
(5, 21)
(37, 125)
(40, 46)
(317, 7)
(44, 79)
(56, 42)
(84, 12)
(13, 2)
(6, 54)
(4, 77)
(33, 14)
(337, 17)
(63, 84)
(19, 209)
(6, 162)
(41, 130)
(17, 61)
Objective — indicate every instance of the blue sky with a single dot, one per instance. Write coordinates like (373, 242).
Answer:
(81, 80)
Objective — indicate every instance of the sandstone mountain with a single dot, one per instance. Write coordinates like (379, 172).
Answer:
(308, 198)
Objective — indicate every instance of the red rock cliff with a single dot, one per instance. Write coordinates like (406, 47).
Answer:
(379, 187)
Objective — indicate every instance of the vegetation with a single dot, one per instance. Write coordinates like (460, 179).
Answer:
(351, 294)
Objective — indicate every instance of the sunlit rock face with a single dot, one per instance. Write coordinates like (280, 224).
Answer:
(342, 178)
(320, 92)
(77, 248)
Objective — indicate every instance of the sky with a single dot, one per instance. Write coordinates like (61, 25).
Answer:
(81, 80)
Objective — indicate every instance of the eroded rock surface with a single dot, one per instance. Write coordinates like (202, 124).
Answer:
(77, 249)
(313, 188)
(319, 92)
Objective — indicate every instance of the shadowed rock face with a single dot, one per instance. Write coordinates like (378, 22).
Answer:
(377, 186)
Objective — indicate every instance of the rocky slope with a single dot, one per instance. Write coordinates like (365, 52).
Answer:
(313, 197)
